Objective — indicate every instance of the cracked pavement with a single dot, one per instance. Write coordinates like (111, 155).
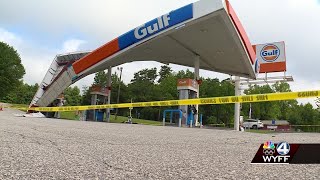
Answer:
(39, 148)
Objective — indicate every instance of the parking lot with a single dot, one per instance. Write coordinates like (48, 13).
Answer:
(39, 148)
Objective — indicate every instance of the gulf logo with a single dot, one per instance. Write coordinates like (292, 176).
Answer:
(270, 53)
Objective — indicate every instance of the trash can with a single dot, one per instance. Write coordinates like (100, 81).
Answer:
(99, 116)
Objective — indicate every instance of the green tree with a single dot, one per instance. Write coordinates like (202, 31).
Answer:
(145, 75)
(72, 96)
(11, 69)
(100, 78)
(210, 88)
(294, 115)
(226, 111)
(262, 110)
(185, 74)
(284, 106)
(86, 96)
(303, 115)
(124, 94)
(143, 88)
(164, 72)
(168, 88)
(308, 114)
(22, 94)
(281, 87)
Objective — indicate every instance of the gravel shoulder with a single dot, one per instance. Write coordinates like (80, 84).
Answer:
(39, 148)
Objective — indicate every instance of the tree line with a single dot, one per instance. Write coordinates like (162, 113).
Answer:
(154, 84)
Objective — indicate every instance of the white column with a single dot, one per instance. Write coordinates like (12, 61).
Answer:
(95, 97)
(60, 103)
(164, 120)
(237, 105)
(109, 92)
(250, 111)
(197, 77)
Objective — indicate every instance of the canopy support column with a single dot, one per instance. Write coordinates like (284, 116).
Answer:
(197, 77)
(109, 92)
(237, 105)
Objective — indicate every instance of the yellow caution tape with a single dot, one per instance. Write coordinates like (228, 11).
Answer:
(200, 101)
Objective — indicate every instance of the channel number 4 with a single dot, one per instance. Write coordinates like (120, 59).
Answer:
(283, 148)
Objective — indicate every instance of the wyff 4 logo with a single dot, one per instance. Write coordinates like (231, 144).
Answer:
(269, 151)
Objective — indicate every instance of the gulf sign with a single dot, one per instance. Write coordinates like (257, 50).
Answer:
(271, 57)
(156, 25)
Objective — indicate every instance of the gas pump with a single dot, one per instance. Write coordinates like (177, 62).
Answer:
(99, 96)
(59, 102)
(188, 89)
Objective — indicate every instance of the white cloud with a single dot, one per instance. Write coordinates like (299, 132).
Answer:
(36, 58)
(35, 65)
(10, 38)
(72, 45)
(84, 82)
(101, 19)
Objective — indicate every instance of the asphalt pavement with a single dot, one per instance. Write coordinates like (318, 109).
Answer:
(40, 148)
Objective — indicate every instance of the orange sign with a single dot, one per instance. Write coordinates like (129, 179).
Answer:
(184, 82)
(61, 96)
(187, 83)
(99, 89)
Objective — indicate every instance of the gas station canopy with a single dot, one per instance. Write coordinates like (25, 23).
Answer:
(208, 30)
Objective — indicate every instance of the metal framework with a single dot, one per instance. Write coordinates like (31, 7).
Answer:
(240, 82)
(171, 115)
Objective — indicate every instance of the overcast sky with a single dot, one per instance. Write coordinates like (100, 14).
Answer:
(41, 29)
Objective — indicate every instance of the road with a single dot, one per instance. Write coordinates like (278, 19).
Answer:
(39, 148)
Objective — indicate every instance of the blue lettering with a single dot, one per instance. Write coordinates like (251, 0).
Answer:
(155, 26)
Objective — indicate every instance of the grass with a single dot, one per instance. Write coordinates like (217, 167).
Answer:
(259, 131)
(72, 116)
(120, 119)
(19, 106)
(69, 115)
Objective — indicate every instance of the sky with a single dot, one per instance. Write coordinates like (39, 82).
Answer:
(41, 29)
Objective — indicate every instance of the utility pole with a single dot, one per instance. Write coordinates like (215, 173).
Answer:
(119, 68)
